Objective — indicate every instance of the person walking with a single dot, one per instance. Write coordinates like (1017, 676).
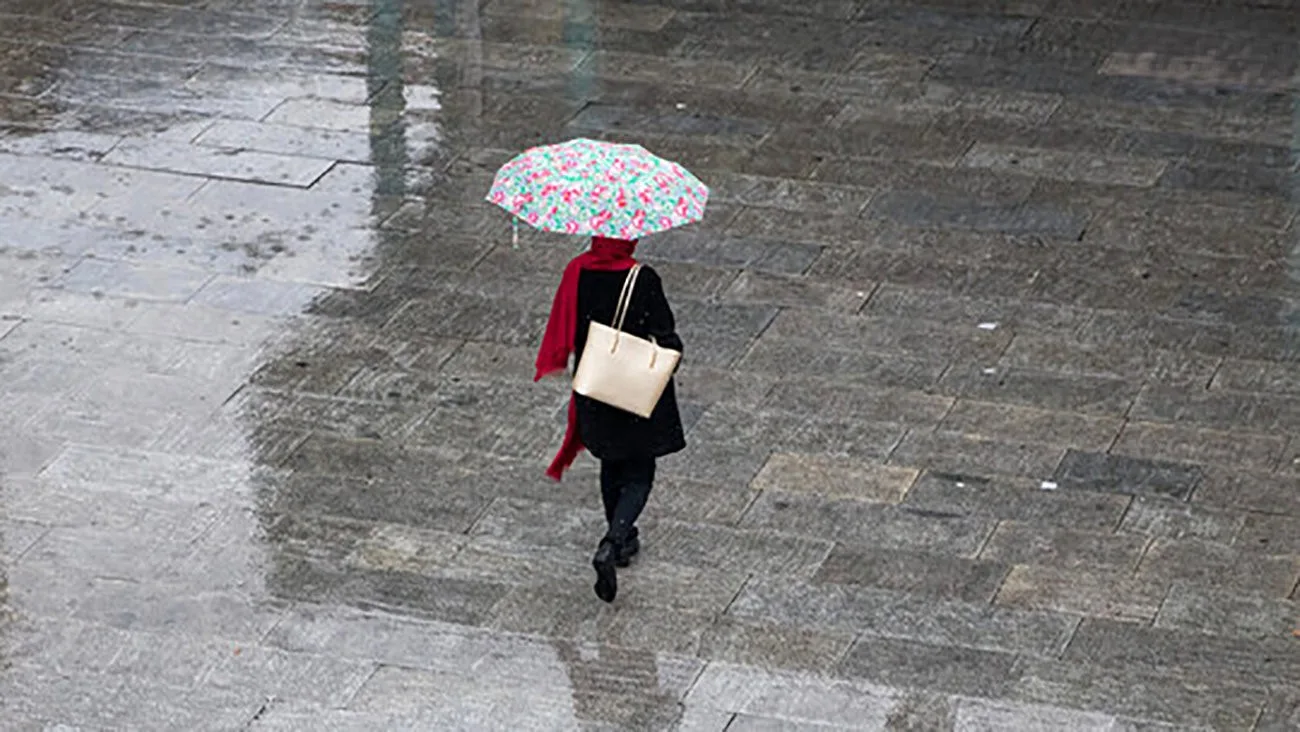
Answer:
(628, 446)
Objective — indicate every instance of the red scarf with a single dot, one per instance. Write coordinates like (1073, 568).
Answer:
(605, 255)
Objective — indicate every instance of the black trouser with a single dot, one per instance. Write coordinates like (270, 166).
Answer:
(625, 487)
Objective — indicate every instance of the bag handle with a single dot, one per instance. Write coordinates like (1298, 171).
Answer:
(625, 297)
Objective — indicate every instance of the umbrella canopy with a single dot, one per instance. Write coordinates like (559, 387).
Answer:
(598, 188)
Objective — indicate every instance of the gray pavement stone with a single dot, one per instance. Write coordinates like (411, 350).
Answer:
(1020, 544)
(1128, 475)
(1279, 713)
(1162, 519)
(1266, 662)
(565, 612)
(146, 283)
(1218, 612)
(1170, 442)
(160, 607)
(1267, 492)
(830, 476)
(1069, 357)
(792, 292)
(1067, 166)
(948, 669)
(787, 430)
(962, 453)
(297, 677)
(1043, 390)
(848, 520)
(791, 697)
(765, 645)
(330, 145)
(926, 575)
(771, 355)
(924, 211)
(1270, 534)
(863, 402)
(730, 550)
(1082, 592)
(1030, 425)
(1021, 500)
(973, 715)
(234, 163)
(1218, 566)
(897, 614)
(1136, 694)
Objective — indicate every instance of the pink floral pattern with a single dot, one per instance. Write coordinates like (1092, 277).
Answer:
(598, 188)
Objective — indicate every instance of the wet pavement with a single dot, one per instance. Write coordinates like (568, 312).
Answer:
(993, 375)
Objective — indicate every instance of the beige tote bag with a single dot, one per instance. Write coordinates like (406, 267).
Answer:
(622, 370)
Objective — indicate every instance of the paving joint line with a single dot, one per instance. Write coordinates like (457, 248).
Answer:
(988, 539)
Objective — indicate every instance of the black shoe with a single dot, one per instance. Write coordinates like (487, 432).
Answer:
(606, 576)
(627, 550)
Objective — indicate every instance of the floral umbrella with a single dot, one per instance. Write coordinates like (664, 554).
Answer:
(598, 188)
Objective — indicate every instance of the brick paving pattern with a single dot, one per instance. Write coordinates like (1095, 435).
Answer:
(992, 388)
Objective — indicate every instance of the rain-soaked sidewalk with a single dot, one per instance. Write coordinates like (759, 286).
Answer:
(993, 376)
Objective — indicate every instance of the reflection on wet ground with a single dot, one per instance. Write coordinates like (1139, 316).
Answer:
(993, 399)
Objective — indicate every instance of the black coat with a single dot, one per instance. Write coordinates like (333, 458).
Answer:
(610, 433)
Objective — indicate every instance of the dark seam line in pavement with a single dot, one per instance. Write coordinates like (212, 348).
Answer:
(45, 532)
(372, 97)
(1005, 349)
(740, 590)
(908, 491)
(875, 288)
(730, 721)
(1146, 550)
(1128, 411)
(946, 414)
(1293, 594)
(934, 387)
(1123, 425)
(190, 298)
(1218, 366)
(984, 544)
(1074, 634)
(1236, 533)
(262, 640)
(889, 456)
(695, 679)
(99, 157)
(298, 443)
(1259, 716)
(333, 164)
(866, 205)
(257, 715)
(374, 669)
(1160, 608)
(202, 187)
(442, 365)
(1078, 623)
(753, 343)
(1120, 522)
(753, 72)
(966, 151)
(273, 110)
(482, 513)
(753, 498)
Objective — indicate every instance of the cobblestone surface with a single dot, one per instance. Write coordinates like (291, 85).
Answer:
(993, 392)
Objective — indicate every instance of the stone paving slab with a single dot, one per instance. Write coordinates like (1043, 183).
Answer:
(990, 389)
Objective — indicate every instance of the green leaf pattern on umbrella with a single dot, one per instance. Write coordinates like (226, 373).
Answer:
(598, 188)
